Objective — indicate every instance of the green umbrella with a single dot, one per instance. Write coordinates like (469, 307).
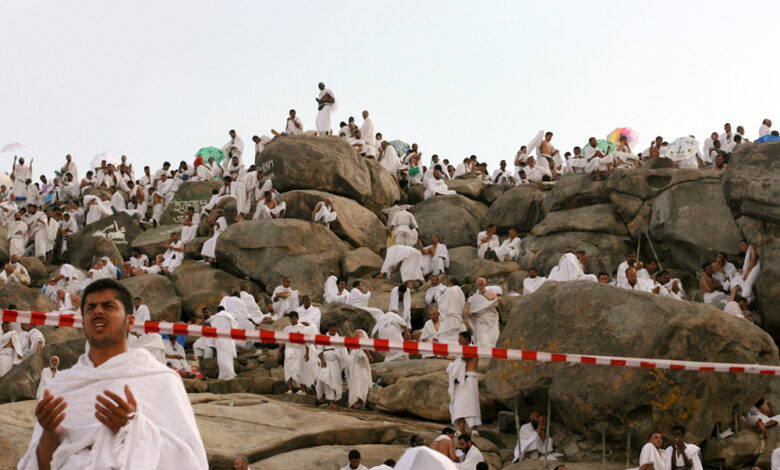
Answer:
(209, 152)
(604, 145)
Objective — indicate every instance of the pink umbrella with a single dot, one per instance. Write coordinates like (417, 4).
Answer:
(630, 134)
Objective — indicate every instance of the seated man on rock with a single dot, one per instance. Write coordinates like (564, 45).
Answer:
(285, 299)
(532, 282)
(680, 455)
(444, 444)
(534, 442)
(711, 289)
(436, 257)
(406, 259)
(14, 271)
(510, 248)
(633, 282)
(269, 208)
(571, 267)
(324, 213)
(652, 456)
(403, 227)
(487, 243)
(762, 416)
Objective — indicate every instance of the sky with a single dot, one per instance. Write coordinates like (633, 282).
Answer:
(158, 80)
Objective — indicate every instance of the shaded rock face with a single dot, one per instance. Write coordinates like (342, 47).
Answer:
(751, 190)
(25, 298)
(347, 318)
(268, 250)
(519, 208)
(595, 218)
(323, 163)
(597, 319)
(460, 262)
(5, 254)
(647, 184)
(201, 286)
(692, 223)
(157, 293)
(119, 229)
(384, 188)
(576, 191)
(21, 382)
(471, 187)
(35, 269)
(195, 194)
(454, 218)
(354, 224)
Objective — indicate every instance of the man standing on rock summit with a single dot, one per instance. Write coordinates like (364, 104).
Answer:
(326, 105)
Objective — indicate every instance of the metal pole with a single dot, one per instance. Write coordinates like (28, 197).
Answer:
(517, 428)
(547, 430)
(652, 247)
(736, 419)
(603, 448)
(638, 245)
(628, 448)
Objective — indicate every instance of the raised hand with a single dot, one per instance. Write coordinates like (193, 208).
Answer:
(113, 411)
(50, 412)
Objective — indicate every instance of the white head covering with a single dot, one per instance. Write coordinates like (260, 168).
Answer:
(424, 457)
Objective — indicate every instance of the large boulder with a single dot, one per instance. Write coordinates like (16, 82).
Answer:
(437, 216)
(519, 208)
(491, 269)
(736, 451)
(5, 254)
(460, 262)
(576, 191)
(149, 241)
(21, 382)
(347, 318)
(120, 229)
(269, 250)
(354, 223)
(199, 286)
(491, 192)
(595, 319)
(322, 163)
(470, 187)
(594, 218)
(36, 269)
(605, 252)
(361, 262)
(195, 194)
(691, 223)
(157, 293)
(646, 184)
(384, 188)
(25, 298)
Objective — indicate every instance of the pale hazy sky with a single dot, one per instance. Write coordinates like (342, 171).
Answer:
(157, 80)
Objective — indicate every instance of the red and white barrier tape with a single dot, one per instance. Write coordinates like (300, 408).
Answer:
(383, 345)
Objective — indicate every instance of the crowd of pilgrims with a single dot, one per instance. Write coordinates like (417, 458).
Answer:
(40, 218)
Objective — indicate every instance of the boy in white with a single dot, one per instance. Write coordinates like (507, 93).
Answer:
(681, 455)
(294, 357)
(333, 359)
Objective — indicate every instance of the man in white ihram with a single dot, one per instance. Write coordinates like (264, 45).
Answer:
(124, 409)
(483, 315)
(531, 444)
(405, 259)
(326, 104)
(464, 389)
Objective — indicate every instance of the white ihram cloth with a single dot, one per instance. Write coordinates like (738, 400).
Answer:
(46, 377)
(17, 238)
(754, 415)
(530, 441)
(531, 284)
(569, 268)
(358, 372)
(291, 128)
(98, 211)
(312, 316)
(189, 232)
(329, 383)
(162, 435)
(325, 215)
(435, 186)
(10, 356)
(368, 132)
(482, 248)
(390, 161)
(746, 285)
(451, 303)
(210, 246)
(226, 347)
(464, 394)
(286, 304)
(30, 341)
(430, 334)
(359, 299)
(434, 293)
(236, 307)
(485, 320)
(176, 349)
(151, 342)
(238, 152)
(402, 308)
(418, 458)
(508, 250)
(331, 292)
(323, 115)
(692, 451)
(294, 356)
(470, 460)
(390, 326)
(650, 454)
(438, 262)
(598, 163)
(641, 285)
(776, 459)
(410, 260)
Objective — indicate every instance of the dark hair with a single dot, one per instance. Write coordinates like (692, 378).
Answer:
(464, 438)
(293, 314)
(704, 266)
(413, 439)
(484, 466)
(580, 252)
(122, 294)
(678, 427)
(356, 283)
(650, 436)
(353, 454)
(466, 335)
(448, 430)
(390, 462)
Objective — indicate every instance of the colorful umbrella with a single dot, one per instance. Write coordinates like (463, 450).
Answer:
(767, 138)
(400, 147)
(209, 152)
(630, 134)
(683, 148)
(604, 145)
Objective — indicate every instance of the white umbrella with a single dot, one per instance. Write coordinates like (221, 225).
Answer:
(5, 179)
(107, 156)
(683, 148)
(12, 147)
